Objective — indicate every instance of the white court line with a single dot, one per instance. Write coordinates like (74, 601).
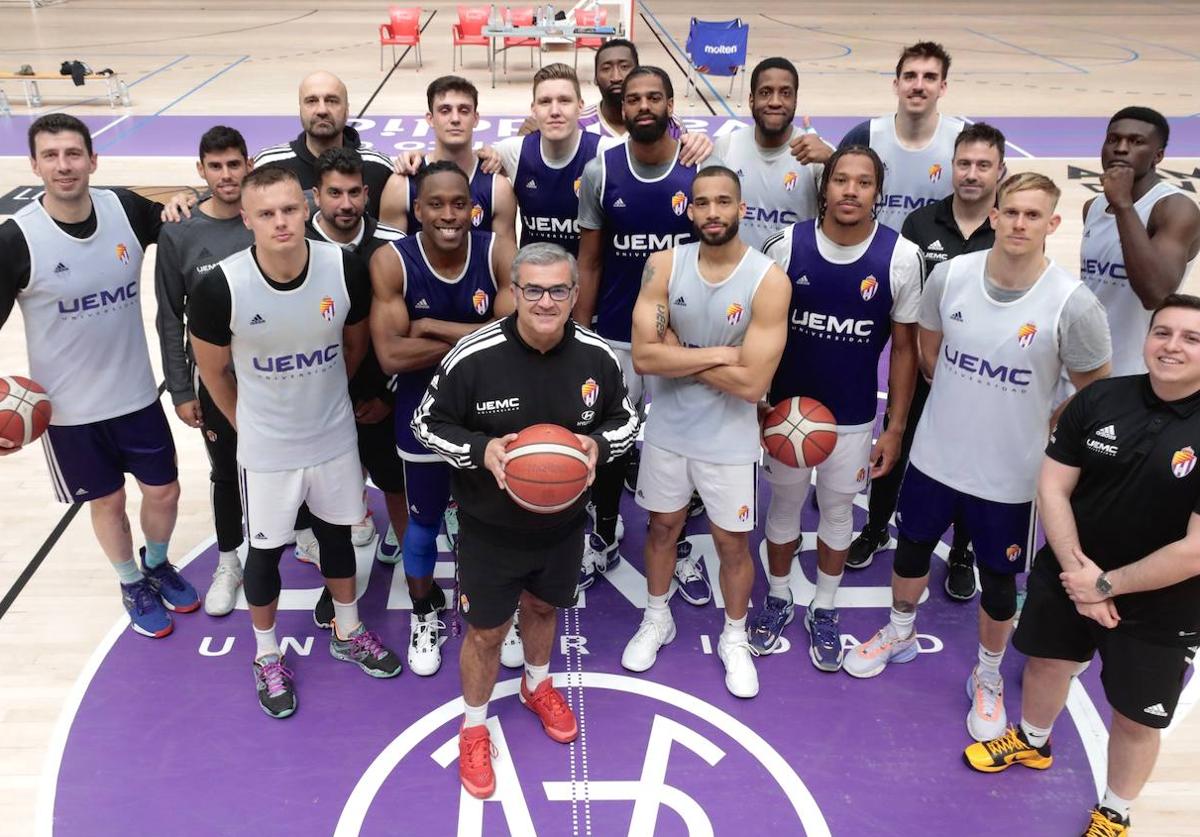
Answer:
(1010, 143)
(110, 125)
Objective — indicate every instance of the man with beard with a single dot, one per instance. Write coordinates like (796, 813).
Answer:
(710, 323)
(855, 285)
(777, 188)
(632, 202)
(430, 290)
(186, 252)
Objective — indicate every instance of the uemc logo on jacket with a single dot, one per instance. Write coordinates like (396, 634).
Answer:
(318, 360)
(104, 300)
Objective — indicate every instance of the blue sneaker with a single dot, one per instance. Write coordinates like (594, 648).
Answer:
(147, 615)
(176, 592)
(825, 641)
(389, 548)
(691, 576)
(766, 626)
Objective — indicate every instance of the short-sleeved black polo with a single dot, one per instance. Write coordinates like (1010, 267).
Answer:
(1138, 488)
(934, 230)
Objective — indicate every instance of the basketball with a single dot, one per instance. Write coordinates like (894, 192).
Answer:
(24, 409)
(800, 432)
(547, 468)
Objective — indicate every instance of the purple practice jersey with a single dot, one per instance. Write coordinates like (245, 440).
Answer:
(548, 198)
(481, 202)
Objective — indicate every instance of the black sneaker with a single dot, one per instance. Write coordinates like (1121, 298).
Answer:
(323, 612)
(436, 597)
(864, 547)
(960, 576)
(276, 693)
(695, 505)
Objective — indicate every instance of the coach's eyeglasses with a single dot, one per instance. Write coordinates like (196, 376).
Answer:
(534, 293)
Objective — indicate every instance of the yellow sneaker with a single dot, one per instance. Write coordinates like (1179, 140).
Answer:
(1005, 751)
(1106, 823)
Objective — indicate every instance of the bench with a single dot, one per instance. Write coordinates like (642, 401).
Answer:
(114, 88)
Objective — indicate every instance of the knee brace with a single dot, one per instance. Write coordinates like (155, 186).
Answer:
(836, 527)
(337, 550)
(783, 512)
(912, 558)
(999, 596)
(419, 548)
(261, 575)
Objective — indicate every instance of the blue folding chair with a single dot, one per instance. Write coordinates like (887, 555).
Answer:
(717, 48)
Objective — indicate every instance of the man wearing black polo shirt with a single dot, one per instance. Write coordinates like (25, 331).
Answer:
(944, 229)
(1119, 497)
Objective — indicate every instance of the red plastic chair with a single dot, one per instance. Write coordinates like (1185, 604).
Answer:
(404, 29)
(522, 17)
(468, 32)
(591, 17)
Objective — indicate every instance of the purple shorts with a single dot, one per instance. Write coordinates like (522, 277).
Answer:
(89, 461)
(1001, 533)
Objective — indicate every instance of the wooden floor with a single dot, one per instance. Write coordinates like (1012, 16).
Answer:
(1020, 58)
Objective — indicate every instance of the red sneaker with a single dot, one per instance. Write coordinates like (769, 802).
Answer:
(475, 753)
(548, 704)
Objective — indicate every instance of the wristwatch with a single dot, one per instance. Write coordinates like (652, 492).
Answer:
(1103, 587)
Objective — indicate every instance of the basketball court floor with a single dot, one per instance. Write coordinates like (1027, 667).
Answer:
(105, 732)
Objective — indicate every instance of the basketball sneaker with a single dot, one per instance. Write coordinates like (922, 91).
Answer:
(551, 708)
(176, 592)
(872, 657)
(366, 650)
(695, 505)
(512, 650)
(1003, 752)
(864, 547)
(631, 475)
(619, 531)
(960, 575)
(824, 638)
(642, 650)
(222, 593)
(766, 625)
(741, 678)
(598, 556)
(147, 615)
(691, 576)
(276, 692)
(363, 532)
(389, 548)
(307, 549)
(425, 643)
(323, 612)
(1106, 822)
(987, 718)
(475, 753)
(450, 519)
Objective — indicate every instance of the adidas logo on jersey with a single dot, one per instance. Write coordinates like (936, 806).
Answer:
(61, 268)
(259, 536)
(957, 317)
(1109, 432)
(680, 301)
(257, 319)
(1156, 710)
(618, 204)
(936, 247)
(531, 185)
(81, 492)
(422, 305)
(803, 280)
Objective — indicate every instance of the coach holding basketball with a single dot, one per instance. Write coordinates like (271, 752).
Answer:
(535, 366)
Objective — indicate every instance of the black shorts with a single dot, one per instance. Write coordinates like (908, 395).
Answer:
(492, 575)
(377, 450)
(1142, 679)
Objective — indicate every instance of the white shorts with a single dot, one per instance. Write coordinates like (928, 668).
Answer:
(633, 381)
(666, 481)
(845, 471)
(270, 499)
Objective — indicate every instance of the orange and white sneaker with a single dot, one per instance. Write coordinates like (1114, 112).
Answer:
(872, 657)
(987, 718)
(551, 708)
(475, 753)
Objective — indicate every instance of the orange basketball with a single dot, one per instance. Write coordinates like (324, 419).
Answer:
(24, 409)
(800, 432)
(547, 468)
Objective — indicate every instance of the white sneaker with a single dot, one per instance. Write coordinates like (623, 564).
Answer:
(425, 644)
(987, 718)
(307, 548)
(363, 533)
(222, 593)
(873, 656)
(389, 548)
(741, 678)
(618, 533)
(512, 652)
(642, 650)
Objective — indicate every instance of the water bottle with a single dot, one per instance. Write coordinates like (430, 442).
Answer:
(493, 17)
(549, 15)
(508, 16)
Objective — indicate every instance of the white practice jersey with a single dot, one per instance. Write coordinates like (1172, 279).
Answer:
(913, 177)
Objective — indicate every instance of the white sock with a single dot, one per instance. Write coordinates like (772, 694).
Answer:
(1036, 736)
(656, 607)
(1116, 804)
(735, 629)
(345, 618)
(265, 642)
(781, 586)
(534, 675)
(989, 663)
(827, 587)
(475, 716)
(903, 623)
(229, 559)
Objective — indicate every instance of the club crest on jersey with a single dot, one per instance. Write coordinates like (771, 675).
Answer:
(1183, 461)
(476, 215)
(327, 310)
(868, 288)
(733, 314)
(480, 302)
(590, 391)
(935, 172)
(123, 254)
(464, 604)
(578, 180)
(744, 514)
(789, 181)
(1025, 335)
(678, 203)
(1013, 553)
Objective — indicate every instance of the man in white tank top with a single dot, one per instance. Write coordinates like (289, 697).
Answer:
(710, 322)
(289, 317)
(997, 328)
(1140, 236)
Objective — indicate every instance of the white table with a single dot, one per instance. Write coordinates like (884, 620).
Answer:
(557, 29)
